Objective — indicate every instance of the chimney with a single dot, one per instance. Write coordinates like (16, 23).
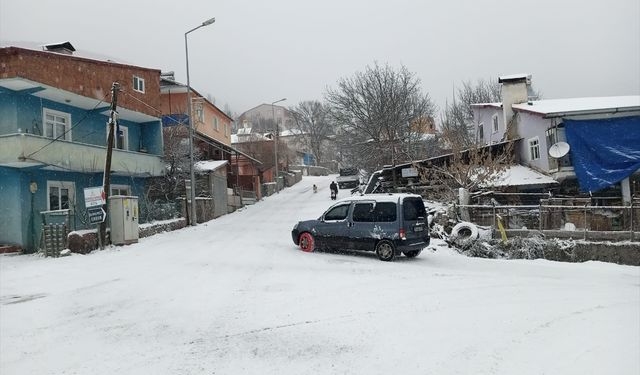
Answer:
(64, 48)
(514, 91)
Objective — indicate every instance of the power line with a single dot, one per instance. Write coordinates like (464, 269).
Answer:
(71, 128)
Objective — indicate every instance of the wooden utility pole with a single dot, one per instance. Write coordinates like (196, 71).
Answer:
(113, 122)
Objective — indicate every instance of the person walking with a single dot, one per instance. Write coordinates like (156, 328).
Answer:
(334, 190)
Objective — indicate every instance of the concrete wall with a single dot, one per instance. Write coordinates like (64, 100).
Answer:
(485, 116)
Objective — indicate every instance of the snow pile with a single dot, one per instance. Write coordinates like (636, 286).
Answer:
(235, 296)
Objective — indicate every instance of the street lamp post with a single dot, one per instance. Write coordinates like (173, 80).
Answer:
(275, 139)
(193, 218)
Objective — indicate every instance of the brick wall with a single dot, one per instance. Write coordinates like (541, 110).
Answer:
(86, 77)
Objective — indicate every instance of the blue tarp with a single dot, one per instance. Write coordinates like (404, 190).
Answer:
(605, 151)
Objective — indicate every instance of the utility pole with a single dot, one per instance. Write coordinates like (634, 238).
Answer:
(113, 122)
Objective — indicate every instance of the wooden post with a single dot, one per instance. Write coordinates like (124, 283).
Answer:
(113, 121)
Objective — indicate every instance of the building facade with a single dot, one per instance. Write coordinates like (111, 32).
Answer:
(54, 107)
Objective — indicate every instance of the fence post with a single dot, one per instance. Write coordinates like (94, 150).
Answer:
(495, 224)
(540, 217)
(585, 222)
(631, 219)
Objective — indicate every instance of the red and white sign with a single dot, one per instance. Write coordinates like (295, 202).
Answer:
(94, 196)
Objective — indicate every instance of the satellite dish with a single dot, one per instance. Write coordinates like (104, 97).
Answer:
(558, 150)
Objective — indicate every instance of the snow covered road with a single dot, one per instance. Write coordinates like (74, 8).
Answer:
(234, 296)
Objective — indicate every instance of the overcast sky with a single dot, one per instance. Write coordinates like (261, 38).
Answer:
(261, 51)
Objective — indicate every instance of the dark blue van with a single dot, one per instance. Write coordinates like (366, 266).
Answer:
(388, 224)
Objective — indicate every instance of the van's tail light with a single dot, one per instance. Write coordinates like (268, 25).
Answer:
(403, 234)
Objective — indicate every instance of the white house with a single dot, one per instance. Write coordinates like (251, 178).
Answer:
(539, 124)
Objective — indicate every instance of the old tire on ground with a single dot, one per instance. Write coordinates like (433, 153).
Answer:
(385, 250)
(464, 234)
(412, 253)
(307, 242)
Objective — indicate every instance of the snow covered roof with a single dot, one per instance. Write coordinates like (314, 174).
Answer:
(494, 105)
(519, 175)
(560, 107)
(290, 132)
(209, 165)
(41, 47)
(244, 131)
(514, 77)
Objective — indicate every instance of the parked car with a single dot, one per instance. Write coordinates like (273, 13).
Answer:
(388, 224)
(348, 178)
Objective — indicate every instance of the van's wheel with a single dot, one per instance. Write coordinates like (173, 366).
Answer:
(385, 250)
(412, 253)
(307, 242)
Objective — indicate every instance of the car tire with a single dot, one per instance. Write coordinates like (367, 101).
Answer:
(385, 250)
(464, 234)
(412, 253)
(306, 242)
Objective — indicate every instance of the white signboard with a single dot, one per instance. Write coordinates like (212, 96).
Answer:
(94, 196)
(409, 172)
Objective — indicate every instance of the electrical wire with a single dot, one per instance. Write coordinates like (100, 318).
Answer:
(71, 128)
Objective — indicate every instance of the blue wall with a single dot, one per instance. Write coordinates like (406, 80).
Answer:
(11, 210)
(8, 117)
(20, 224)
(23, 113)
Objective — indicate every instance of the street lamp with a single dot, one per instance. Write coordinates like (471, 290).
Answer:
(194, 221)
(275, 138)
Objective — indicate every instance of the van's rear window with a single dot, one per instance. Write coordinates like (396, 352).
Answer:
(413, 209)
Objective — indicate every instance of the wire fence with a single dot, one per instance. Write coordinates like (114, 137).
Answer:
(588, 222)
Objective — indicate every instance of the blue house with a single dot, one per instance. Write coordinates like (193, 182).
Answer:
(54, 107)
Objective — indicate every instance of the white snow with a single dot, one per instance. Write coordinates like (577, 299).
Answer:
(518, 175)
(235, 296)
(291, 132)
(560, 106)
(209, 165)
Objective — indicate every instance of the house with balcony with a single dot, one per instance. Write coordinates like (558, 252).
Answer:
(590, 145)
(212, 139)
(54, 107)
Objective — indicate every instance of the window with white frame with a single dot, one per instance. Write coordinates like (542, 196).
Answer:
(120, 190)
(534, 148)
(61, 195)
(57, 125)
(216, 125)
(494, 120)
(481, 133)
(226, 130)
(138, 84)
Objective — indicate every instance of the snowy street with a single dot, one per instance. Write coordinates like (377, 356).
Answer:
(236, 296)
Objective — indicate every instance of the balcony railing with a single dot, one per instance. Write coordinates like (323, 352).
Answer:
(22, 150)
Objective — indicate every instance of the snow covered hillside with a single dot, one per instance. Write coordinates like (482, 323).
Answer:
(235, 296)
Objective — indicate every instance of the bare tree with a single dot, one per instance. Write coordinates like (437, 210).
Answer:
(472, 167)
(457, 120)
(315, 126)
(177, 164)
(374, 110)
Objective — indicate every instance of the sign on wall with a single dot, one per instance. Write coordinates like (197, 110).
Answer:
(94, 197)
